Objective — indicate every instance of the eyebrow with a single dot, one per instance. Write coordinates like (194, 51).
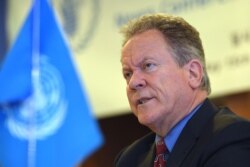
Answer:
(125, 69)
(140, 62)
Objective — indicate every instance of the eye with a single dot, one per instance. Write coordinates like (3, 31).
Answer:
(149, 66)
(127, 74)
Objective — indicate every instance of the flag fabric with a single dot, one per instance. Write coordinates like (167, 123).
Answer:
(45, 116)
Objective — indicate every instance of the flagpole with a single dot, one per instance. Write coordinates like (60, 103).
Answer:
(35, 73)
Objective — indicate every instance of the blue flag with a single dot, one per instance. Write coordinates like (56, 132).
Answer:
(45, 117)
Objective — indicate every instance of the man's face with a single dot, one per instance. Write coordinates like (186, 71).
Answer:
(157, 88)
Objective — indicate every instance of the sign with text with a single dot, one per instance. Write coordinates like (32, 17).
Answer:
(93, 28)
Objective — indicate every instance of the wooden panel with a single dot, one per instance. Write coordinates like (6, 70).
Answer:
(239, 103)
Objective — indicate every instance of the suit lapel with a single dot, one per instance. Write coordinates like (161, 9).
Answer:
(190, 134)
(183, 146)
(148, 159)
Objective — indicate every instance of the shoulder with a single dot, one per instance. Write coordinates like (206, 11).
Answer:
(132, 152)
(213, 120)
(230, 140)
(229, 128)
(226, 127)
(227, 121)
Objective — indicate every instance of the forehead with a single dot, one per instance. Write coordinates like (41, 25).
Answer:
(149, 44)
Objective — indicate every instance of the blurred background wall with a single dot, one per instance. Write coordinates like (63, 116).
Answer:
(92, 27)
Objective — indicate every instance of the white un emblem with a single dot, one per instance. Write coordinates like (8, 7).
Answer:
(43, 113)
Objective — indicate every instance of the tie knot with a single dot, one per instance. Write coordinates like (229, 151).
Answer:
(161, 147)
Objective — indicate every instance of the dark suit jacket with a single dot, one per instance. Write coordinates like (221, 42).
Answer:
(213, 137)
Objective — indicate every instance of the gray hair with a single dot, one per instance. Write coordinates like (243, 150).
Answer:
(183, 39)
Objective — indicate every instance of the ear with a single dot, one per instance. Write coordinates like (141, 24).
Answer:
(195, 72)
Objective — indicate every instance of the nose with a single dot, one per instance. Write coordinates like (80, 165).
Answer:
(136, 81)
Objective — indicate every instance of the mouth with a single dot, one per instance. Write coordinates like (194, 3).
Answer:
(143, 100)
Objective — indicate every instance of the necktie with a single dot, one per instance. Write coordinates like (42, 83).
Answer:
(161, 154)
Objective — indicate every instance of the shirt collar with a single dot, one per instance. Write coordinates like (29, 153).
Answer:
(174, 133)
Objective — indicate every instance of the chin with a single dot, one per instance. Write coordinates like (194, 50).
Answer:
(146, 120)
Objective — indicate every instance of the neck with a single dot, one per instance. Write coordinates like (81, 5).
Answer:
(163, 128)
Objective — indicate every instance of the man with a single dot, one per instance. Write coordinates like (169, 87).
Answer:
(163, 64)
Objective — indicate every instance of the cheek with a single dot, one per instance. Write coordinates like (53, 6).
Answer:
(164, 85)
(132, 105)
(129, 96)
(168, 87)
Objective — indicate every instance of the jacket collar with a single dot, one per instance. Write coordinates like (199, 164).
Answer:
(191, 133)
